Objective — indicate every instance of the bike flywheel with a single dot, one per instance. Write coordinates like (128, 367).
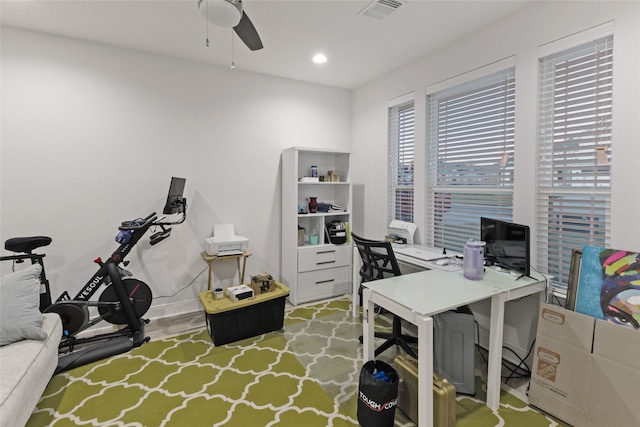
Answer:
(139, 295)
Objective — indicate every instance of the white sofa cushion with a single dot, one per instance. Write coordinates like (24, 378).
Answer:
(25, 370)
(20, 316)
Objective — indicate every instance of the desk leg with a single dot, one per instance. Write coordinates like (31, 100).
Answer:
(209, 281)
(368, 319)
(355, 281)
(425, 369)
(495, 351)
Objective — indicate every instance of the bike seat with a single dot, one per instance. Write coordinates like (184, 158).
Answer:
(26, 244)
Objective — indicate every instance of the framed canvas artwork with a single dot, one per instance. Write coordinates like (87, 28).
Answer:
(609, 285)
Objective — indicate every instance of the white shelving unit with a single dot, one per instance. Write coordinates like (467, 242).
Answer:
(314, 272)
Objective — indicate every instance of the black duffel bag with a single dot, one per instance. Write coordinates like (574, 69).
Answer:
(377, 394)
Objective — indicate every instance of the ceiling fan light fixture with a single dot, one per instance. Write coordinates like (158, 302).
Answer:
(223, 13)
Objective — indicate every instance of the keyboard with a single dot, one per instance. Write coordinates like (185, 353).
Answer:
(421, 254)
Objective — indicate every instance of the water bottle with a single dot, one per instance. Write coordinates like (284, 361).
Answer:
(473, 263)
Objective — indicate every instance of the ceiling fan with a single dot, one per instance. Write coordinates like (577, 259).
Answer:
(229, 13)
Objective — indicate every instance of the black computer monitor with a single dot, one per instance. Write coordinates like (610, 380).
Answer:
(175, 197)
(507, 244)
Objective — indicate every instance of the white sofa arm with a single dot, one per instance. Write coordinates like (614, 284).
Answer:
(25, 370)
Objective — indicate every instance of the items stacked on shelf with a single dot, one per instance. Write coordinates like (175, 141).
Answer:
(330, 207)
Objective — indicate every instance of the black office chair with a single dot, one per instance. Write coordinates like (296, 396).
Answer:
(379, 262)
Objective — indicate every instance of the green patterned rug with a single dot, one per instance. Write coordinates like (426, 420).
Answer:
(305, 375)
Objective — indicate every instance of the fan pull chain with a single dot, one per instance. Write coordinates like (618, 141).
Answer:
(207, 6)
(233, 64)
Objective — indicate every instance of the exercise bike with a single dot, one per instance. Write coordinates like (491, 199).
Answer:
(123, 301)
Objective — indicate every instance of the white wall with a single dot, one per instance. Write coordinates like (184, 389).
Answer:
(92, 134)
(519, 35)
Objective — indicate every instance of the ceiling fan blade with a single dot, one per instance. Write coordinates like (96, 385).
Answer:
(247, 33)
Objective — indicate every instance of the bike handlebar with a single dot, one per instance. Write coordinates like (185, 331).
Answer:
(136, 224)
(183, 202)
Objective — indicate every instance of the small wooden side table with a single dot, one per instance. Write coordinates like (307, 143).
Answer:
(209, 259)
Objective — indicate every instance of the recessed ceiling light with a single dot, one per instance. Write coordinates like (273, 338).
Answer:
(319, 59)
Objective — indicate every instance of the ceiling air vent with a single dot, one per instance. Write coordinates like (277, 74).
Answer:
(380, 9)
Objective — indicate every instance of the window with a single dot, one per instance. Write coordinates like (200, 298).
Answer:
(401, 161)
(470, 157)
(574, 154)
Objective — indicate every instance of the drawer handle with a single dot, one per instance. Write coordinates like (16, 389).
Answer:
(325, 281)
(325, 252)
(325, 262)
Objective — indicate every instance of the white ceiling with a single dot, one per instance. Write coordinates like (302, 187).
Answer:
(292, 31)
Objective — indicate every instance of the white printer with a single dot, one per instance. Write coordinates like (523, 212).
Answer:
(225, 242)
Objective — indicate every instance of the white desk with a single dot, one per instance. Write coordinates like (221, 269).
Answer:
(417, 296)
(428, 253)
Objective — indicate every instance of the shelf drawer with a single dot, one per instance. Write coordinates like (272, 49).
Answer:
(324, 283)
(328, 256)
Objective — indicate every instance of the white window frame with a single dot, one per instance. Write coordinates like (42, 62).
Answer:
(573, 178)
(469, 172)
(401, 160)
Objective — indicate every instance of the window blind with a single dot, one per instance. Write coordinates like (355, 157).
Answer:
(470, 158)
(574, 154)
(401, 162)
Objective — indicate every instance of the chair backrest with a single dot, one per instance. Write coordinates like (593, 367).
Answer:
(378, 259)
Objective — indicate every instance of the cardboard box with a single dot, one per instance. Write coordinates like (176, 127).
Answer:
(261, 283)
(615, 380)
(562, 360)
(586, 371)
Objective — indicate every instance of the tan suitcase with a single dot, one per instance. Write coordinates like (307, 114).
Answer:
(444, 393)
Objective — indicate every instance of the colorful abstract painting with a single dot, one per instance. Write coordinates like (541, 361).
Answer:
(609, 286)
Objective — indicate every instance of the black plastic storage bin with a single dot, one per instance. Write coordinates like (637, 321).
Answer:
(229, 321)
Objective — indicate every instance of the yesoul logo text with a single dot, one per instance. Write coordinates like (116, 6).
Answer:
(375, 406)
